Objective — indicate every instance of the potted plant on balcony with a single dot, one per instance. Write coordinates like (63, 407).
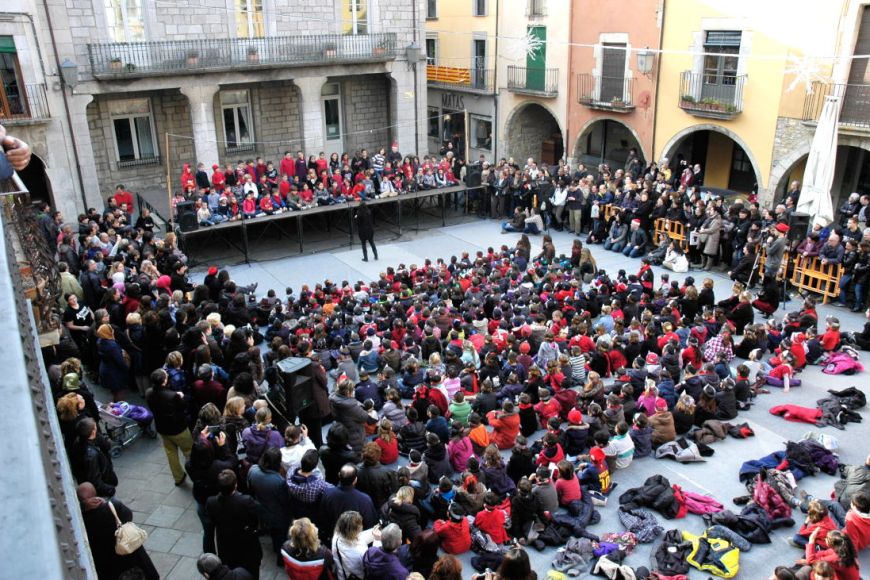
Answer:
(330, 50)
(617, 103)
(115, 64)
(380, 49)
(192, 58)
(687, 101)
(253, 55)
(129, 67)
(711, 104)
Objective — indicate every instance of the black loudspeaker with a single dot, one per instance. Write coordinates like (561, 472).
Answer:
(473, 175)
(798, 226)
(185, 215)
(296, 376)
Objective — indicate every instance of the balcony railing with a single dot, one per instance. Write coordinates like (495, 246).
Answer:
(715, 96)
(540, 82)
(136, 59)
(615, 94)
(855, 110)
(26, 107)
(477, 80)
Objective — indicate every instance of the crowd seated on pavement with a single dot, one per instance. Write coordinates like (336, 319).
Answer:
(487, 401)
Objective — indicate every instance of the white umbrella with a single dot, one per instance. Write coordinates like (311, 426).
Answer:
(815, 198)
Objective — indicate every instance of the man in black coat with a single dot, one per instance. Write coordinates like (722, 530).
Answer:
(235, 520)
(365, 229)
(170, 421)
(344, 498)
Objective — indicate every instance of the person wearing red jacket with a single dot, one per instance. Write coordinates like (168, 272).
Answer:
(493, 520)
(858, 520)
(505, 425)
(454, 532)
(547, 407)
(817, 518)
(188, 183)
(552, 452)
(218, 178)
(249, 206)
(841, 555)
(288, 165)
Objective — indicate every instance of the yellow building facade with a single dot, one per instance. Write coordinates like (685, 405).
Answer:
(728, 95)
(460, 48)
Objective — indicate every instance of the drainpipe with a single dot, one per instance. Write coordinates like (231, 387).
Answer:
(63, 85)
(658, 80)
(416, 88)
(29, 17)
(565, 152)
(496, 142)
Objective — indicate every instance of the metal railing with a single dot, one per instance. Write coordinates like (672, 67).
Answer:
(542, 82)
(461, 79)
(601, 92)
(536, 8)
(717, 96)
(855, 110)
(32, 105)
(141, 162)
(130, 59)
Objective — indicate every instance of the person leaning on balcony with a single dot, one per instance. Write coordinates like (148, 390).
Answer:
(17, 151)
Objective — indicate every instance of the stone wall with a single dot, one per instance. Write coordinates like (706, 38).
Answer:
(277, 124)
(366, 102)
(171, 114)
(791, 142)
(526, 130)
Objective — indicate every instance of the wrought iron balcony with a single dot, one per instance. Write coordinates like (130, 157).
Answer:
(855, 109)
(472, 80)
(29, 105)
(614, 94)
(202, 55)
(538, 82)
(714, 96)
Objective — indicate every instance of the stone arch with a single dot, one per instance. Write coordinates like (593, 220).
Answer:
(783, 168)
(675, 141)
(584, 131)
(522, 149)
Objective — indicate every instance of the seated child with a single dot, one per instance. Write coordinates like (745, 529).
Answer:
(493, 520)
(454, 532)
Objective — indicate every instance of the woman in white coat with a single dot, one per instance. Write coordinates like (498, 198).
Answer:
(675, 259)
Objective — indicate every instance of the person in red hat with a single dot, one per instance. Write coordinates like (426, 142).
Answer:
(218, 178)
(775, 249)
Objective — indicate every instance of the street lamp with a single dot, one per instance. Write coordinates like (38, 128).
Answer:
(412, 54)
(69, 72)
(645, 61)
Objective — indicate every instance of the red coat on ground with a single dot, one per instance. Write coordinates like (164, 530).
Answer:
(455, 536)
(491, 521)
(504, 428)
(797, 413)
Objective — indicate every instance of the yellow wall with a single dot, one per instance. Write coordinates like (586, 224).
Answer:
(773, 27)
(718, 166)
(454, 27)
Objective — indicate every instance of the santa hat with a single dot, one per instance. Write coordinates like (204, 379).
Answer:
(215, 166)
(635, 222)
(781, 227)
(395, 144)
(661, 405)
(213, 271)
(652, 358)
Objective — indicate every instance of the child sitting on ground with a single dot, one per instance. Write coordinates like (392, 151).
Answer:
(454, 532)
(522, 460)
(388, 443)
(641, 434)
(528, 416)
(460, 409)
(372, 426)
(575, 435)
(493, 520)
(412, 436)
(478, 434)
(817, 518)
(552, 451)
(613, 414)
(525, 510)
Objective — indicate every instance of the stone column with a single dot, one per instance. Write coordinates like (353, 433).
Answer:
(311, 113)
(405, 99)
(201, 102)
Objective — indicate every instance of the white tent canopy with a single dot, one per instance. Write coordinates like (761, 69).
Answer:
(815, 198)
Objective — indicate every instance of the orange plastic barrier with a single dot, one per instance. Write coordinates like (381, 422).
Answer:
(675, 230)
(811, 275)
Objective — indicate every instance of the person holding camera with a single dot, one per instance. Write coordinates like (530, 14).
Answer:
(170, 421)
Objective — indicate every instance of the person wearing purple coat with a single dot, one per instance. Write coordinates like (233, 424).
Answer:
(261, 436)
(383, 563)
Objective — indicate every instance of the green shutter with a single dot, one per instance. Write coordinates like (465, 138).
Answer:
(7, 44)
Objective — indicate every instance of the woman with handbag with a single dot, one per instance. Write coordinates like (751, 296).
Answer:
(109, 528)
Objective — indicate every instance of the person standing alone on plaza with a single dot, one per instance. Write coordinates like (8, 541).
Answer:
(366, 230)
(170, 421)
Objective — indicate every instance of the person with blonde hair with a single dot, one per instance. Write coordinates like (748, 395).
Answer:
(349, 545)
(304, 557)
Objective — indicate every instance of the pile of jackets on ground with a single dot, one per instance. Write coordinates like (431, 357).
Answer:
(670, 500)
(710, 552)
(801, 459)
(837, 410)
(685, 450)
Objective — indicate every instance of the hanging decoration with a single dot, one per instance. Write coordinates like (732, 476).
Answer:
(806, 71)
(524, 46)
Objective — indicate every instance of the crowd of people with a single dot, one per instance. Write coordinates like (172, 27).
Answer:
(469, 401)
(256, 187)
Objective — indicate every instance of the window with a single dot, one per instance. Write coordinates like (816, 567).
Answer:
(355, 17)
(125, 20)
(433, 116)
(249, 18)
(720, 68)
(13, 101)
(431, 9)
(135, 140)
(535, 8)
(238, 130)
(481, 132)
(479, 8)
(431, 51)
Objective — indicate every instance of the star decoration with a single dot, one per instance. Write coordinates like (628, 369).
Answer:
(525, 46)
(806, 71)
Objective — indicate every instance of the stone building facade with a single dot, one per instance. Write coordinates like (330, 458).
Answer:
(225, 80)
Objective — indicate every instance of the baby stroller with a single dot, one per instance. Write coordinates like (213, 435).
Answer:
(123, 423)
